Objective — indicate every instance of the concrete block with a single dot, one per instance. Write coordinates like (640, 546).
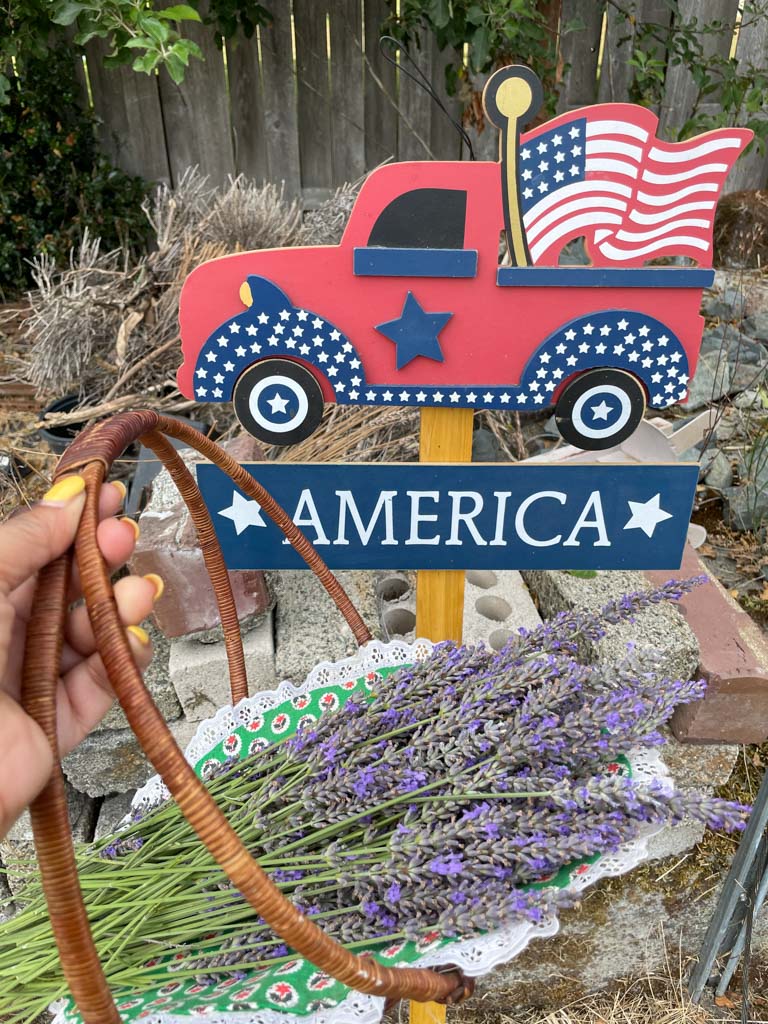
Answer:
(168, 546)
(158, 683)
(17, 849)
(111, 760)
(200, 674)
(112, 811)
(661, 627)
(733, 659)
(496, 604)
(308, 626)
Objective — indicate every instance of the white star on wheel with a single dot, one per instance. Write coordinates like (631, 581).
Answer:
(277, 404)
(646, 515)
(600, 412)
(243, 513)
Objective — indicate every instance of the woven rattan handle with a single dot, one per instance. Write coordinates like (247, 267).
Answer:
(92, 455)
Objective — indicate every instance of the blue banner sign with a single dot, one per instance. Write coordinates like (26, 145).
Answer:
(418, 516)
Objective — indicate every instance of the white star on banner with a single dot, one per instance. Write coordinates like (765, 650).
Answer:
(243, 513)
(646, 515)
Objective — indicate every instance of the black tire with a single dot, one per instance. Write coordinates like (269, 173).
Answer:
(620, 401)
(296, 396)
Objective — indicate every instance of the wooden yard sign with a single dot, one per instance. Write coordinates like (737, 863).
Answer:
(415, 307)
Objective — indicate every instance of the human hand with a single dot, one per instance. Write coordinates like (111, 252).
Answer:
(27, 543)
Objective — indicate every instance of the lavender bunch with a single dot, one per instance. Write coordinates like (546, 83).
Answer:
(446, 803)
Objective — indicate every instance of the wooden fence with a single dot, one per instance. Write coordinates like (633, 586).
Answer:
(311, 101)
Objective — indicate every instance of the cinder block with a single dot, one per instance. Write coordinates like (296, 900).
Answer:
(309, 627)
(17, 848)
(112, 811)
(660, 627)
(496, 604)
(733, 659)
(168, 546)
(158, 683)
(200, 674)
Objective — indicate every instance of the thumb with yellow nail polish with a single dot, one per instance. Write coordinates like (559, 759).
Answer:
(64, 491)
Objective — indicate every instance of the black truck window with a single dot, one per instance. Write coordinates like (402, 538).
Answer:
(424, 218)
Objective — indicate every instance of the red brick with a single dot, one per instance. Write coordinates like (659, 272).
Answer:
(168, 546)
(733, 659)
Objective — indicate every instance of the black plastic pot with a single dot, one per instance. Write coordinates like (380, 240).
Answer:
(61, 437)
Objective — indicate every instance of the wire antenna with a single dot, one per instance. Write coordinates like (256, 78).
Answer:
(423, 83)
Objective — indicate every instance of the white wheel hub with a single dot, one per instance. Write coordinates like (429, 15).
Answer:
(603, 403)
(273, 399)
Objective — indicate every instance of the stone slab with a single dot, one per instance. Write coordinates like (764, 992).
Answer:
(168, 546)
(496, 605)
(734, 661)
(308, 626)
(660, 627)
(199, 672)
(17, 849)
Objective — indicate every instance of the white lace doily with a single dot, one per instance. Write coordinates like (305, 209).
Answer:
(476, 956)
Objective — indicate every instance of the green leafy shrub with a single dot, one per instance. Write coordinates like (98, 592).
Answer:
(53, 181)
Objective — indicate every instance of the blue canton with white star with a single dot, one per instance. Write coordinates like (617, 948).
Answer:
(555, 159)
(415, 332)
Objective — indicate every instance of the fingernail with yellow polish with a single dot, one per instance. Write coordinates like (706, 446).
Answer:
(63, 491)
(134, 524)
(121, 487)
(141, 635)
(157, 583)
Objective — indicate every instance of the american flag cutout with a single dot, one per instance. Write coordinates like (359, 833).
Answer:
(602, 173)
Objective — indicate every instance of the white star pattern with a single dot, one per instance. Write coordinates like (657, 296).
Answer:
(243, 513)
(646, 515)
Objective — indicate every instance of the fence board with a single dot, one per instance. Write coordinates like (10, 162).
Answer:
(751, 171)
(616, 73)
(347, 92)
(246, 102)
(278, 79)
(127, 104)
(415, 107)
(444, 140)
(314, 93)
(579, 49)
(680, 90)
(196, 114)
(380, 91)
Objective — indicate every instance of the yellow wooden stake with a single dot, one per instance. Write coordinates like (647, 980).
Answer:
(446, 436)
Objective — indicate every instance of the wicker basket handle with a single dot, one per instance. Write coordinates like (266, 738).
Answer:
(92, 455)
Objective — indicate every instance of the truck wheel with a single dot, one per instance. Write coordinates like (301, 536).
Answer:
(278, 401)
(600, 409)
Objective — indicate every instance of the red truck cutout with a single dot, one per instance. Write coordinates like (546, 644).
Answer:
(414, 307)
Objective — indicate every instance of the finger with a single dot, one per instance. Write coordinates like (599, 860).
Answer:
(25, 757)
(119, 544)
(116, 539)
(135, 597)
(85, 695)
(35, 538)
